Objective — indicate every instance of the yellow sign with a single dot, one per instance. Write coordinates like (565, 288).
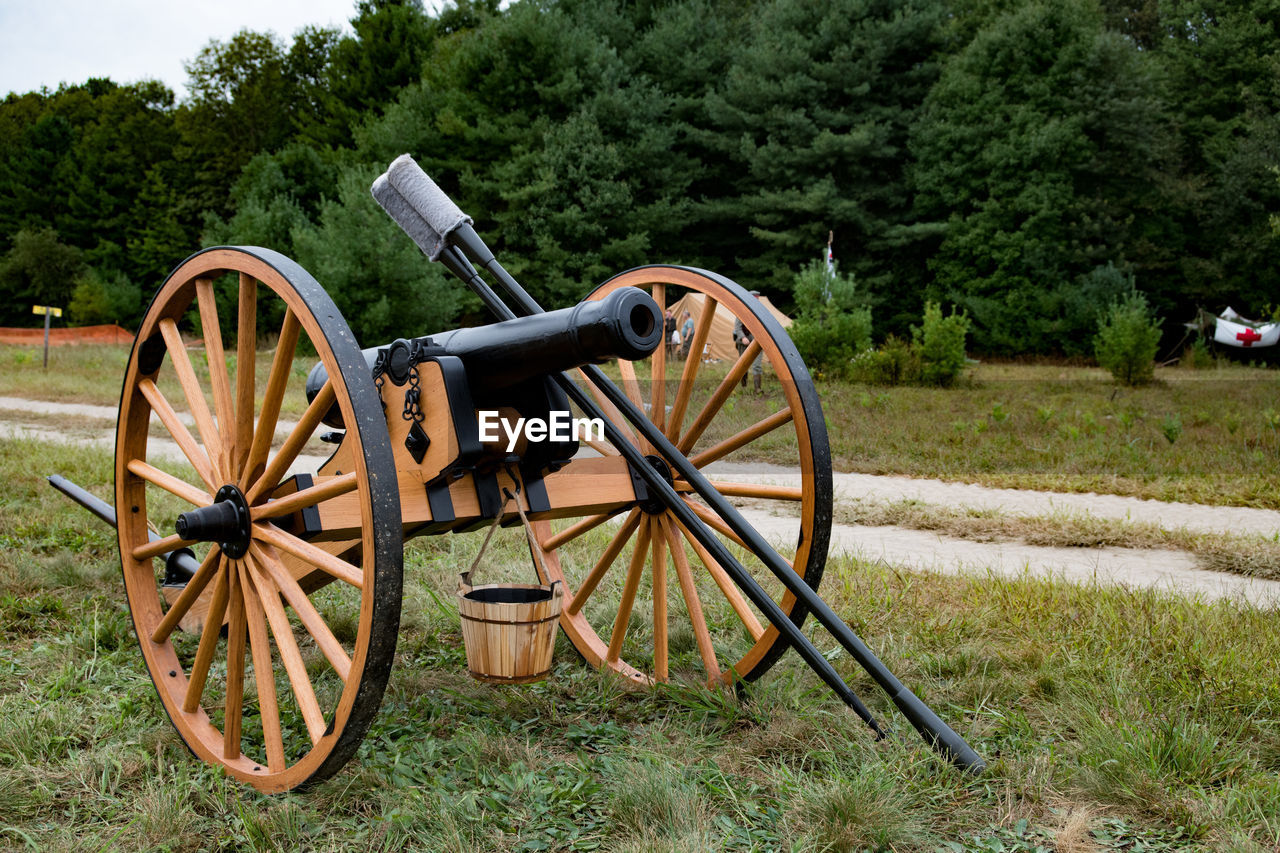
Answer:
(46, 309)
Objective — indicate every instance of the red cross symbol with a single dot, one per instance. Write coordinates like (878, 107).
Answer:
(1248, 336)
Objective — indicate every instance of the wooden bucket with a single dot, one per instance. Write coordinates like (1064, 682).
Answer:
(509, 630)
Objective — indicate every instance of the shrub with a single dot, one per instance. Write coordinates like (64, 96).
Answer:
(834, 324)
(940, 343)
(38, 269)
(1197, 356)
(897, 362)
(1127, 340)
(105, 298)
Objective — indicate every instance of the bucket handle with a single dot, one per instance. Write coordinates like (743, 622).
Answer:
(464, 579)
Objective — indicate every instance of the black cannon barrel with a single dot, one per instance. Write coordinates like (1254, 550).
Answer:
(625, 324)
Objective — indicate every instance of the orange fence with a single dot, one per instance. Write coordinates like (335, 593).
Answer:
(63, 337)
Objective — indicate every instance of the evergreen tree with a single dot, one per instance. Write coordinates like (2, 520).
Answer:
(391, 42)
(382, 284)
(812, 121)
(531, 123)
(1037, 146)
(241, 103)
(1222, 61)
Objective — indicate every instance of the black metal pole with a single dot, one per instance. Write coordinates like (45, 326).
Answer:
(444, 232)
(180, 563)
(936, 732)
(461, 267)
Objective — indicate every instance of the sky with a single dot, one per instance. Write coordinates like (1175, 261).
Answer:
(47, 42)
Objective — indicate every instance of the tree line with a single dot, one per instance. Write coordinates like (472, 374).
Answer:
(1030, 162)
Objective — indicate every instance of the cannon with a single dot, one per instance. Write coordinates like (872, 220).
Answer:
(282, 543)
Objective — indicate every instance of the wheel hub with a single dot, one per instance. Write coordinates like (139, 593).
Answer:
(652, 504)
(226, 521)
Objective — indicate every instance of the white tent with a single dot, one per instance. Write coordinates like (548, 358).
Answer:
(720, 341)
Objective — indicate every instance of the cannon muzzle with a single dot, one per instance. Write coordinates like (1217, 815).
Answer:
(625, 324)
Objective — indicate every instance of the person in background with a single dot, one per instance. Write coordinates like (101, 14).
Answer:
(742, 339)
(669, 333)
(686, 335)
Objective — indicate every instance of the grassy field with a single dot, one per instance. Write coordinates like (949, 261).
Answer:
(1204, 436)
(1207, 436)
(1111, 720)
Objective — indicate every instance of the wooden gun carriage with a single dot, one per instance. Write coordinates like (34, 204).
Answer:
(294, 559)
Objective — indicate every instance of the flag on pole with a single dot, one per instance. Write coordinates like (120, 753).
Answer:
(831, 269)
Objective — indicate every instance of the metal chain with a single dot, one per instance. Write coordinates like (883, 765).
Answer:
(412, 410)
(413, 394)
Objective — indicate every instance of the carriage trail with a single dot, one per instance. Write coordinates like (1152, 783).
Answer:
(1162, 569)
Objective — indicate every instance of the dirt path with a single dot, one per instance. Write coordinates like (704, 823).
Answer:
(1173, 571)
(94, 426)
(886, 489)
(1169, 570)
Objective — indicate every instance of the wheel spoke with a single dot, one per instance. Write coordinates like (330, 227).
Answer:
(324, 491)
(722, 392)
(293, 445)
(692, 603)
(170, 483)
(234, 705)
(691, 365)
(246, 362)
(304, 550)
(263, 672)
(727, 587)
(601, 447)
(156, 547)
(632, 388)
(575, 530)
(179, 432)
(208, 641)
(605, 562)
(628, 595)
(195, 397)
(658, 366)
(716, 523)
(272, 399)
(753, 490)
(661, 650)
(610, 410)
(190, 592)
(218, 378)
(307, 613)
(282, 630)
(745, 437)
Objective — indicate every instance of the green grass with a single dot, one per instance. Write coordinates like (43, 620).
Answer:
(95, 374)
(1199, 436)
(1111, 719)
(1208, 436)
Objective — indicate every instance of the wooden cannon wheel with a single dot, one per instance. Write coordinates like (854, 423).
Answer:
(319, 652)
(705, 412)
